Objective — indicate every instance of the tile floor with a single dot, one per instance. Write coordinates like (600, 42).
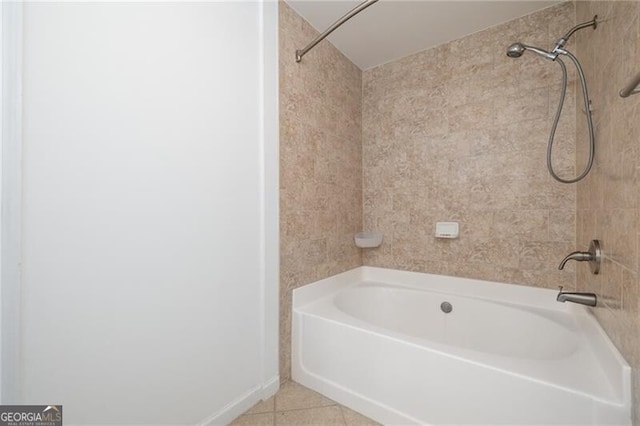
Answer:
(295, 405)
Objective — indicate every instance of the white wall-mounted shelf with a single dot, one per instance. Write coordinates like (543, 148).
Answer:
(368, 239)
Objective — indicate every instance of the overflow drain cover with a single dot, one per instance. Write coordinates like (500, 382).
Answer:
(446, 307)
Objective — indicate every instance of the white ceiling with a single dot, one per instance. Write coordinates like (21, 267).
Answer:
(392, 29)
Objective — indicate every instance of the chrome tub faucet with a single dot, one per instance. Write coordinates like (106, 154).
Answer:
(594, 257)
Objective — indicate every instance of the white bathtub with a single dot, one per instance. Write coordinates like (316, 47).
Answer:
(376, 340)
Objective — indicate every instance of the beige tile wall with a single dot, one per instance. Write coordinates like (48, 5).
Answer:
(320, 165)
(608, 200)
(459, 133)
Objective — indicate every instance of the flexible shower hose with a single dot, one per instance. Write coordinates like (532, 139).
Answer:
(585, 97)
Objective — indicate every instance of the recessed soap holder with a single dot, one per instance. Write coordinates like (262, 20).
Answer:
(447, 229)
(368, 239)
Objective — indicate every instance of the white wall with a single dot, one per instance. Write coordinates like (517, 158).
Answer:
(144, 211)
(10, 194)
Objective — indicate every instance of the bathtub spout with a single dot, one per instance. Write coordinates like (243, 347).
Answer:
(589, 299)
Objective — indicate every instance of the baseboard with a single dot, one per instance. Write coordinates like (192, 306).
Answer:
(240, 405)
(230, 411)
(270, 387)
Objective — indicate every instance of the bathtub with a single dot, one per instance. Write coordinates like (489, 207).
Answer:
(379, 342)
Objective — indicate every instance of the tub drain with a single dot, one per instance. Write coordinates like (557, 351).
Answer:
(446, 307)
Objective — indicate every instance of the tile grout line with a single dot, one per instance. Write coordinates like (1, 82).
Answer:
(335, 404)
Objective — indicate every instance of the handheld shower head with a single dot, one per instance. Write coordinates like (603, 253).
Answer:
(517, 49)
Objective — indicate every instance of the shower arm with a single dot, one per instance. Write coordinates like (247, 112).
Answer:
(560, 43)
(353, 12)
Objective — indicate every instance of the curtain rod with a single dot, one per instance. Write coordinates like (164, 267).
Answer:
(359, 8)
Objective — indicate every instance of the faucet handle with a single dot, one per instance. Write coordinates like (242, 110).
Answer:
(560, 287)
(593, 256)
